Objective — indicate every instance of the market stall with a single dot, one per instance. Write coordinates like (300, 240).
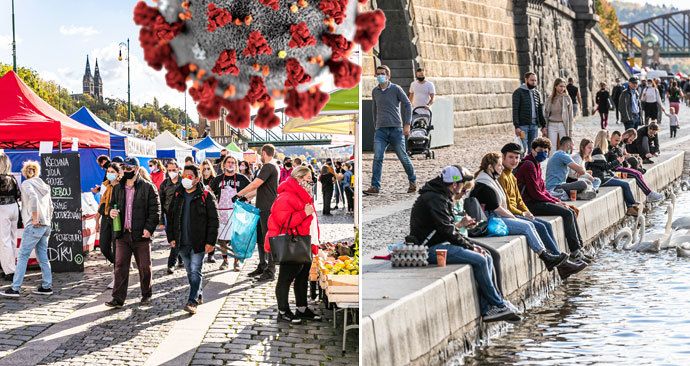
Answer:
(169, 146)
(209, 147)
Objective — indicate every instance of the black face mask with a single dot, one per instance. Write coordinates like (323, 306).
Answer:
(420, 78)
(288, 165)
(128, 175)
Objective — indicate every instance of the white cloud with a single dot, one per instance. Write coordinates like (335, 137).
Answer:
(6, 43)
(73, 30)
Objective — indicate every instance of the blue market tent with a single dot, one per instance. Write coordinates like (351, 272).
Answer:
(210, 147)
(117, 138)
(121, 144)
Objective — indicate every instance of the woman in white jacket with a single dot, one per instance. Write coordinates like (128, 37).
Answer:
(37, 213)
(9, 215)
(558, 112)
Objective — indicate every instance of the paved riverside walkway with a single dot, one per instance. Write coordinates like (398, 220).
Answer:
(235, 325)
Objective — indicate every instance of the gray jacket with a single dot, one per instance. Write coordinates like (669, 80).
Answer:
(36, 198)
(625, 104)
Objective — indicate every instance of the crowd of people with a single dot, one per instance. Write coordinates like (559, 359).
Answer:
(512, 189)
(194, 205)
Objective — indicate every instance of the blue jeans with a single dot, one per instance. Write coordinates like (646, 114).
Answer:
(33, 237)
(526, 228)
(393, 136)
(545, 233)
(531, 133)
(627, 192)
(193, 263)
(482, 268)
(634, 122)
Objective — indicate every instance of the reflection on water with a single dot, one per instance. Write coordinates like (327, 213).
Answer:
(625, 309)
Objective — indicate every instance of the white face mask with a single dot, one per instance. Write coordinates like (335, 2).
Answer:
(187, 183)
(173, 175)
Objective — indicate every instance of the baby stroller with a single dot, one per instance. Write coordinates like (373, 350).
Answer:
(419, 141)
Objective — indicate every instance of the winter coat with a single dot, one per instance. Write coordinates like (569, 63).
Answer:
(644, 144)
(36, 198)
(601, 168)
(433, 210)
(203, 218)
(289, 206)
(167, 192)
(146, 210)
(522, 107)
(625, 105)
(157, 178)
(531, 182)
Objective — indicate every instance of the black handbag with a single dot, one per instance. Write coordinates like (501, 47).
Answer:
(474, 209)
(291, 248)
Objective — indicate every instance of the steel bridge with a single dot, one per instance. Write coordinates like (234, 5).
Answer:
(672, 29)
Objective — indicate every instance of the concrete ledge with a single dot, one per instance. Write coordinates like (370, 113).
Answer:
(423, 315)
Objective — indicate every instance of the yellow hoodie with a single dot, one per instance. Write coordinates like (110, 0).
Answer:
(509, 183)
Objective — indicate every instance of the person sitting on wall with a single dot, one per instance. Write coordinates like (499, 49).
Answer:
(646, 144)
(432, 224)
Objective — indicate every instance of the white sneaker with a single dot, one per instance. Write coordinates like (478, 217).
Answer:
(655, 197)
(512, 307)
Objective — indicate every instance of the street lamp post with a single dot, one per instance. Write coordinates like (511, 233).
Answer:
(14, 43)
(129, 97)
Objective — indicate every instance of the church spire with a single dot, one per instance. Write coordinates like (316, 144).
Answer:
(87, 80)
(88, 67)
(97, 83)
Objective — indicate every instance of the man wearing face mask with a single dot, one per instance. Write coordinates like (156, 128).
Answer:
(286, 170)
(139, 211)
(225, 188)
(167, 191)
(422, 91)
(265, 187)
(193, 229)
(541, 202)
(393, 115)
(558, 165)
(219, 162)
(528, 112)
(103, 162)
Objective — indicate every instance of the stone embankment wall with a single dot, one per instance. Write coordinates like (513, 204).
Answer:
(476, 51)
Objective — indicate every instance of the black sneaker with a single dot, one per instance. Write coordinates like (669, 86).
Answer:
(497, 313)
(42, 291)
(308, 315)
(266, 277)
(10, 293)
(171, 270)
(114, 304)
(145, 301)
(288, 317)
(180, 264)
(647, 161)
(211, 259)
(256, 272)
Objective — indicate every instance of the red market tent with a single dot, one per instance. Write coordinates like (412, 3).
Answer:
(26, 119)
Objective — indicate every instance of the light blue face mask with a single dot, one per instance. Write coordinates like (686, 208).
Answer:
(111, 176)
(381, 79)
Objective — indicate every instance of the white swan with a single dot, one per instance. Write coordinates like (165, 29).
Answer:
(657, 241)
(626, 238)
(683, 250)
(681, 224)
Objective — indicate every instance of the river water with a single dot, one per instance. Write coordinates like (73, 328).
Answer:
(625, 309)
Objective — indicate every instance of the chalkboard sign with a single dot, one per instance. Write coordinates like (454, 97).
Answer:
(65, 247)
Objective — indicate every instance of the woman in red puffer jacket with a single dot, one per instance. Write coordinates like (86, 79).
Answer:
(293, 211)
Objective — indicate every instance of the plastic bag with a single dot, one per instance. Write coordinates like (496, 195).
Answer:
(497, 227)
(244, 221)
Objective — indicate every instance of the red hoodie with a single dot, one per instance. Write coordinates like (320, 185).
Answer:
(289, 205)
(158, 178)
(531, 183)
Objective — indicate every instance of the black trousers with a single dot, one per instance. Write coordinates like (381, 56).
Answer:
(174, 256)
(106, 241)
(265, 259)
(350, 199)
(674, 130)
(327, 197)
(289, 273)
(572, 231)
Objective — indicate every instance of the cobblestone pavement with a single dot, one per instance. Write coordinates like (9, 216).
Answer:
(131, 334)
(377, 234)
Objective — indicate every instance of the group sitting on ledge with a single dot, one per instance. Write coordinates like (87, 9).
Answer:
(505, 194)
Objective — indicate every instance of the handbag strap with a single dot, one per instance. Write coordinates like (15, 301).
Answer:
(288, 226)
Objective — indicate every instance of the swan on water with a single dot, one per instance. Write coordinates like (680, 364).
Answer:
(683, 249)
(626, 238)
(657, 241)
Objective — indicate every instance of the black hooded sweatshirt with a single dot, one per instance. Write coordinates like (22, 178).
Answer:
(433, 210)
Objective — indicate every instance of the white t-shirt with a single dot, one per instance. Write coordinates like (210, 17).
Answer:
(651, 95)
(422, 92)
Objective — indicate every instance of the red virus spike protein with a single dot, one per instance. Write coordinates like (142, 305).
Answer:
(226, 63)
(236, 54)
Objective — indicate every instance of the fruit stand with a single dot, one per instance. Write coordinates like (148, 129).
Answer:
(336, 270)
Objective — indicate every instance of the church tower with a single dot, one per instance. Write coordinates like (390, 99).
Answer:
(88, 79)
(97, 84)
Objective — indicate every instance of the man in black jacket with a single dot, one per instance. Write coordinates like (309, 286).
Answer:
(167, 191)
(629, 105)
(528, 112)
(139, 211)
(647, 143)
(615, 96)
(193, 229)
(432, 224)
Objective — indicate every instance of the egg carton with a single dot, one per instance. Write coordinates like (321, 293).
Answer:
(409, 256)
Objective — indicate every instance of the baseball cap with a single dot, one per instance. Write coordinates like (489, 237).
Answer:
(634, 80)
(454, 174)
(118, 159)
(131, 161)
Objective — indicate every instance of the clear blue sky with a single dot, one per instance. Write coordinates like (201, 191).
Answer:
(54, 37)
(680, 4)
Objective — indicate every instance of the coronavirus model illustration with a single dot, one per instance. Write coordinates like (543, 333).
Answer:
(248, 53)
